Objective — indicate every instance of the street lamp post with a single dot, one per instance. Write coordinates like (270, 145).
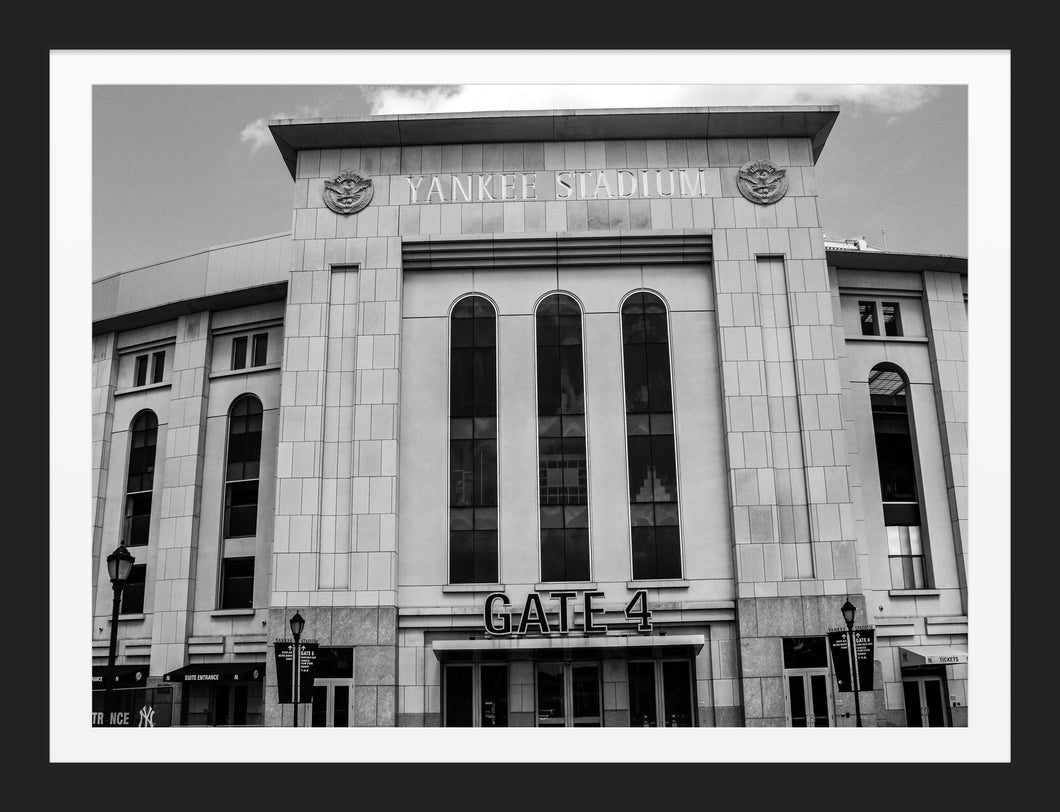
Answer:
(119, 565)
(849, 610)
(297, 624)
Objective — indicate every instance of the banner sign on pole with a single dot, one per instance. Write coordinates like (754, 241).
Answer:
(864, 651)
(837, 644)
(307, 657)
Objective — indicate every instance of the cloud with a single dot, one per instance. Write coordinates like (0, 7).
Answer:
(892, 100)
(257, 134)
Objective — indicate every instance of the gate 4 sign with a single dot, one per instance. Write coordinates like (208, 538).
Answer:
(307, 658)
(497, 617)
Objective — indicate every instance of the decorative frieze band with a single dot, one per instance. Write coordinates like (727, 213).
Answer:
(437, 255)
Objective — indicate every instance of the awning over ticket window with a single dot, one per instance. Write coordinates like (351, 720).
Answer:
(217, 673)
(605, 644)
(931, 655)
(120, 676)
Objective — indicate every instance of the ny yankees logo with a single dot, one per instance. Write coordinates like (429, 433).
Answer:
(147, 717)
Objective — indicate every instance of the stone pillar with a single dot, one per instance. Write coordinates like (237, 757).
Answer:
(792, 517)
(104, 382)
(178, 528)
(946, 320)
(335, 546)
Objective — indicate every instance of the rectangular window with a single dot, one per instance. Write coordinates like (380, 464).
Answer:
(241, 509)
(132, 597)
(476, 695)
(869, 324)
(660, 689)
(261, 349)
(239, 352)
(905, 555)
(140, 372)
(137, 519)
(892, 319)
(568, 695)
(237, 583)
(158, 366)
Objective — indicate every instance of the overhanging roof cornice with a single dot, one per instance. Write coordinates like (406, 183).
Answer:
(803, 121)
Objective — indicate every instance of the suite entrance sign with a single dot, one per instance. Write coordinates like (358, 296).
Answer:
(864, 651)
(307, 656)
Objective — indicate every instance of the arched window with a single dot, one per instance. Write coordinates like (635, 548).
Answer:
(888, 392)
(242, 473)
(242, 468)
(656, 536)
(141, 480)
(473, 442)
(562, 469)
(136, 525)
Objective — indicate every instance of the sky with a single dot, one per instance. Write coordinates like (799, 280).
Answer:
(180, 168)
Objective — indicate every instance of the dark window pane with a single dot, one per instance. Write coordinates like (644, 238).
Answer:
(485, 381)
(585, 694)
(237, 583)
(547, 329)
(805, 652)
(137, 519)
(239, 352)
(239, 704)
(461, 388)
(221, 705)
(819, 695)
(636, 378)
(463, 332)
(632, 328)
(553, 555)
(485, 428)
(549, 426)
(796, 692)
(485, 472)
(158, 366)
(485, 556)
(548, 381)
(461, 557)
(658, 370)
(667, 552)
(140, 371)
(867, 314)
(461, 472)
(641, 487)
(494, 680)
(572, 386)
(677, 694)
(461, 519)
(577, 555)
(642, 711)
(892, 321)
(643, 539)
(342, 706)
(550, 705)
(913, 713)
(655, 328)
(320, 706)
(641, 514)
(261, 349)
(664, 468)
(241, 509)
(132, 596)
(459, 702)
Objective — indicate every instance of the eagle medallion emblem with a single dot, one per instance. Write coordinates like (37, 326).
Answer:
(762, 182)
(348, 192)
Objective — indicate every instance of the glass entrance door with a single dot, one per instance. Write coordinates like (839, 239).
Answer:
(332, 702)
(807, 698)
(568, 695)
(925, 705)
(660, 689)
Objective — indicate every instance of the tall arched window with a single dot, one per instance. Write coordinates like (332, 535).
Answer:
(141, 480)
(562, 469)
(888, 392)
(473, 442)
(656, 536)
(136, 525)
(243, 467)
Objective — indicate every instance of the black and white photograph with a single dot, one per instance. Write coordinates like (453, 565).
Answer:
(418, 409)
